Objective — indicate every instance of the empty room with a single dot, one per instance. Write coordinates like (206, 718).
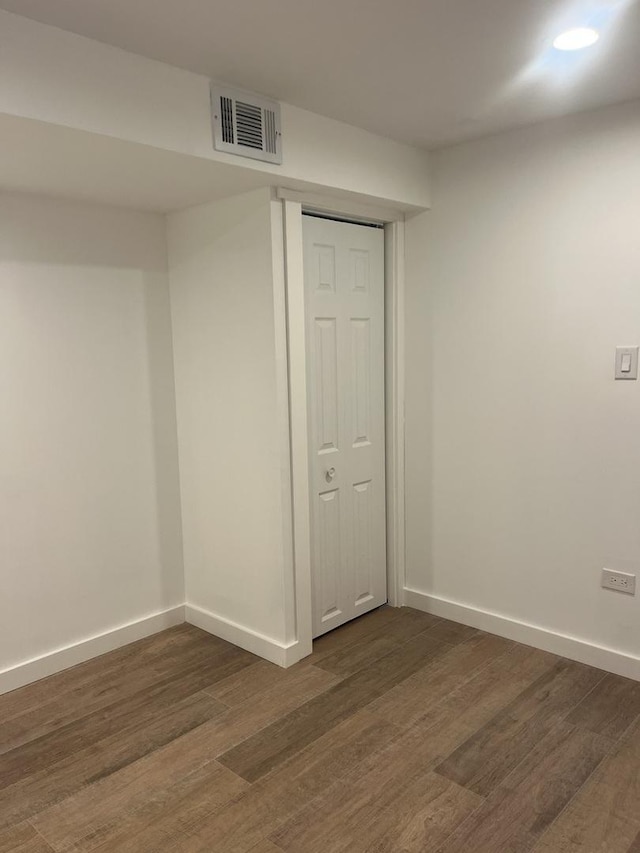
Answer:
(319, 432)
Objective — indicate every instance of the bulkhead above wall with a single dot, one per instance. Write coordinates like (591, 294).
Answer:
(125, 98)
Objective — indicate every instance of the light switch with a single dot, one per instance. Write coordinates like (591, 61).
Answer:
(626, 362)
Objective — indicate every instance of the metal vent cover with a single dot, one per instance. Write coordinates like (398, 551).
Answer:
(246, 124)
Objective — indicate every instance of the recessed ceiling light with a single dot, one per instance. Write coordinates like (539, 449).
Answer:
(576, 39)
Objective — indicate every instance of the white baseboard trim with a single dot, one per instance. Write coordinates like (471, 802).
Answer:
(59, 659)
(574, 648)
(247, 639)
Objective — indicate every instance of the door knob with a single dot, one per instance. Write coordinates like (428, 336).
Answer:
(331, 473)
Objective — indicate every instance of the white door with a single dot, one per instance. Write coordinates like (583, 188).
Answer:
(344, 297)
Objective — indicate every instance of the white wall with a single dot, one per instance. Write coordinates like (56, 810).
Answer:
(59, 77)
(222, 296)
(523, 453)
(89, 507)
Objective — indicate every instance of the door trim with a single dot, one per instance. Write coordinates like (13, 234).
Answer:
(296, 419)
(394, 403)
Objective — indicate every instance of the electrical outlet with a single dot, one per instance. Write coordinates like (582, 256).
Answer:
(620, 581)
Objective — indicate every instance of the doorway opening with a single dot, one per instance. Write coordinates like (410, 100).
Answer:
(344, 314)
(309, 484)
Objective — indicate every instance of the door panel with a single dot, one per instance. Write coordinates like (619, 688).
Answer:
(360, 381)
(344, 297)
(363, 511)
(326, 384)
(328, 557)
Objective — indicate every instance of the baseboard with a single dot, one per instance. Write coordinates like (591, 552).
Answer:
(252, 641)
(55, 661)
(574, 648)
(48, 664)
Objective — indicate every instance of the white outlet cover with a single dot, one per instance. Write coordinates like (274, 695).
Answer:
(619, 581)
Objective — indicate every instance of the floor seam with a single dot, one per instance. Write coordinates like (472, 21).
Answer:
(585, 782)
(41, 834)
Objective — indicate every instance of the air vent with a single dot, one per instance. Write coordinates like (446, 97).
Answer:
(245, 124)
(226, 119)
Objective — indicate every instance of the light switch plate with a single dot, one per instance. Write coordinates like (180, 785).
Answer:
(626, 362)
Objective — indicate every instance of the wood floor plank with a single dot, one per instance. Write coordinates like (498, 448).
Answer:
(245, 685)
(453, 632)
(443, 728)
(103, 673)
(265, 750)
(408, 702)
(101, 690)
(490, 754)
(449, 722)
(396, 624)
(71, 823)
(356, 813)
(373, 623)
(35, 793)
(409, 756)
(359, 655)
(409, 624)
(134, 799)
(239, 724)
(265, 846)
(371, 816)
(446, 725)
(420, 748)
(610, 708)
(518, 812)
(23, 838)
(238, 826)
(458, 715)
(420, 820)
(134, 710)
(186, 803)
(605, 814)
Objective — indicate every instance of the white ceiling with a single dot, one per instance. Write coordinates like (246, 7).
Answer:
(428, 72)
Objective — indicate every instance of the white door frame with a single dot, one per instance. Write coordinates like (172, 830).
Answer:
(296, 411)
